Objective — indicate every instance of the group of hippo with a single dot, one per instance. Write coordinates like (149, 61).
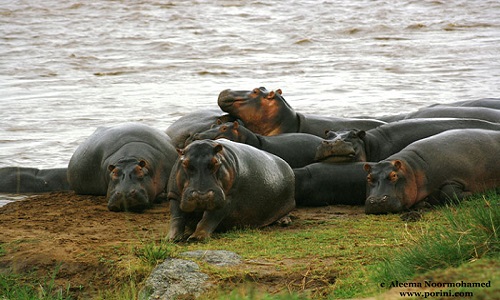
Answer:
(254, 159)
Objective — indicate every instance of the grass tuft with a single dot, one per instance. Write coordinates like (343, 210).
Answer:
(154, 252)
(471, 232)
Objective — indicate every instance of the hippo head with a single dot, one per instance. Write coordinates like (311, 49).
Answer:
(203, 177)
(390, 187)
(130, 187)
(220, 130)
(342, 146)
(260, 111)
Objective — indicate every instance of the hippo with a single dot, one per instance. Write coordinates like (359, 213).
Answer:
(32, 180)
(181, 131)
(493, 103)
(447, 111)
(267, 113)
(219, 185)
(321, 184)
(129, 163)
(444, 167)
(297, 149)
(378, 143)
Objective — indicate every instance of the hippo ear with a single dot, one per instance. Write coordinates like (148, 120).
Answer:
(270, 95)
(218, 148)
(142, 163)
(278, 91)
(236, 124)
(218, 122)
(367, 168)
(397, 164)
(326, 132)
(361, 134)
(180, 151)
(111, 168)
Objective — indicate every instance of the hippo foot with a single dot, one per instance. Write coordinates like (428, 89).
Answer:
(411, 216)
(284, 221)
(198, 236)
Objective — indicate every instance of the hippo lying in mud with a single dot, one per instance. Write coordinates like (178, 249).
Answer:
(218, 185)
(181, 131)
(321, 184)
(297, 149)
(447, 166)
(129, 163)
(32, 180)
(267, 113)
(378, 143)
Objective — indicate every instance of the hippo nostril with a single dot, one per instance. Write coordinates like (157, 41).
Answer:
(372, 201)
(384, 199)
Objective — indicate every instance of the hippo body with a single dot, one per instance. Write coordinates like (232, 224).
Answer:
(129, 163)
(447, 166)
(448, 111)
(32, 180)
(381, 142)
(181, 131)
(268, 113)
(297, 149)
(218, 185)
(493, 103)
(321, 184)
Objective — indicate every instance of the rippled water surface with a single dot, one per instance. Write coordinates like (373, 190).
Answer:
(67, 67)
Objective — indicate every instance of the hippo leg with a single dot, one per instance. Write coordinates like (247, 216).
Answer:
(208, 224)
(453, 192)
(177, 222)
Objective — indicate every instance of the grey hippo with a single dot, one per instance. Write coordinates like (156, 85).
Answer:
(129, 163)
(220, 185)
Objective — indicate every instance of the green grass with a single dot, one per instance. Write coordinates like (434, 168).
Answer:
(472, 231)
(14, 287)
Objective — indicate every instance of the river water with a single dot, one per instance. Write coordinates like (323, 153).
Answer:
(67, 67)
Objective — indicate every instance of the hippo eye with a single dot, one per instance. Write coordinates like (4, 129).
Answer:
(255, 91)
(223, 128)
(393, 176)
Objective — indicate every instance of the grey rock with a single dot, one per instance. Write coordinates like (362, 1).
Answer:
(221, 258)
(173, 278)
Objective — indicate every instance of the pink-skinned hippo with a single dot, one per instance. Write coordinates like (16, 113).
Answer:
(445, 167)
(267, 113)
(129, 163)
(219, 185)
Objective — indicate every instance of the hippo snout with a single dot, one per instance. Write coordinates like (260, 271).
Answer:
(197, 200)
(130, 200)
(382, 204)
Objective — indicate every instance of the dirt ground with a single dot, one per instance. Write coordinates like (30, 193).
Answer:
(73, 234)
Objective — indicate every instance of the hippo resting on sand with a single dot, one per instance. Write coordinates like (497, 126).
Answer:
(181, 131)
(322, 184)
(267, 113)
(297, 149)
(32, 180)
(218, 185)
(129, 163)
(447, 166)
(378, 143)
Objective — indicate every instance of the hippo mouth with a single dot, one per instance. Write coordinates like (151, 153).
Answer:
(382, 205)
(136, 202)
